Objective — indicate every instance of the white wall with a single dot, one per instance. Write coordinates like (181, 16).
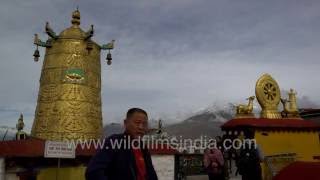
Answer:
(164, 166)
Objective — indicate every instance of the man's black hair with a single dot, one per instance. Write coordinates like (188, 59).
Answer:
(134, 110)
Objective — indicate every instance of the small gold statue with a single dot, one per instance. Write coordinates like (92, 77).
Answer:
(245, 110)
(290, 109)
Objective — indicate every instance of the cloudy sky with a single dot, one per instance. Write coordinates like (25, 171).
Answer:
(171, 56)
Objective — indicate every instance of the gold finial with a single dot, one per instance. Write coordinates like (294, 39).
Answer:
(76, 17)
(290, 109)
(20, 124)
(20, 135)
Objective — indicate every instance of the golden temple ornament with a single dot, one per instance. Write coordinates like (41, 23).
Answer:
(290, 108)
(245, 111)
(69, 100)
(268, 96)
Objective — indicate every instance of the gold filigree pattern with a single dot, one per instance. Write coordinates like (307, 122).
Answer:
(69, 100)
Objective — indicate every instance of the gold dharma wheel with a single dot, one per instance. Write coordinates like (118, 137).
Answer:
(268, 96)
(270, 91)
(267, 90)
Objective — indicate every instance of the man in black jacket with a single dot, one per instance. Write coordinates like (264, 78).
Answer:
(123, 156)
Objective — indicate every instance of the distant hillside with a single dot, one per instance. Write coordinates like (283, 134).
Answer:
(116, 128)
(206, 122)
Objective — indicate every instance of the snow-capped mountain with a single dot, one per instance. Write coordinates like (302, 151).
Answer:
(206, 122)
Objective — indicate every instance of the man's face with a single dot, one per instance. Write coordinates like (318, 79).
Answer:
(136, 125)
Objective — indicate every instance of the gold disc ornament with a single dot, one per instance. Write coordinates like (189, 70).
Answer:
(268, 96)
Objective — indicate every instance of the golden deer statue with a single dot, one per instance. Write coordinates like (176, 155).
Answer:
(246, 109)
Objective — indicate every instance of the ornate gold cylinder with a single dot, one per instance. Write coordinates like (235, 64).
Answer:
(69, 100)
